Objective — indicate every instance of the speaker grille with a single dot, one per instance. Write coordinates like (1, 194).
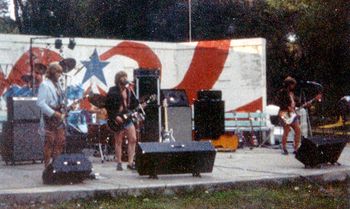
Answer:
(209, 121)
(23, 109)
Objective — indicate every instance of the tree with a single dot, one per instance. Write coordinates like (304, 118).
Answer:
(7, 25)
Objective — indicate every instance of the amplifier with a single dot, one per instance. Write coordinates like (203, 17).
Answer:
(21, 142)
(215, 95)
(22, 109)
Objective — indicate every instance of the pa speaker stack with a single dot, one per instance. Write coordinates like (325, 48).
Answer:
(319, 150)
(209, 115)
(21, 140)
(147, 84)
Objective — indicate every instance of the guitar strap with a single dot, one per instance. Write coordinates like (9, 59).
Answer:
(59, 93)
(128, 98)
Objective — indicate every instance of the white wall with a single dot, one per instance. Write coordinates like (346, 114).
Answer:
(242, 78)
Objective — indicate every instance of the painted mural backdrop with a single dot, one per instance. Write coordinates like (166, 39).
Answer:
(236, 67)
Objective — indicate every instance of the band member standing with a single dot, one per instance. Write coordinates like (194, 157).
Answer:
(287, 102)
(50, 101)
(121, 99)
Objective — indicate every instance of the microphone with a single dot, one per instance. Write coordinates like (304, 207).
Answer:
(313, 83)
(128, 83)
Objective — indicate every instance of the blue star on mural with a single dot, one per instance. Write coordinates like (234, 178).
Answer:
(94, 67)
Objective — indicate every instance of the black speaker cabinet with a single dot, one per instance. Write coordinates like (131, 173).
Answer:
(22, 109)
(21, 142)
(180, 121)
(147, 83)
(209, 119)
(174, 158)
(209, 95)
(67, 168)
(150, 128)
(174, 97)
(319, 150)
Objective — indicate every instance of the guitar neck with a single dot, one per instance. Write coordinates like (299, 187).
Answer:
(308, 103)
(166, 119)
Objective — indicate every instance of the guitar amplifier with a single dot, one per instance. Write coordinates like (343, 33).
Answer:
(22, 109)
(153, 158)
(21, 142)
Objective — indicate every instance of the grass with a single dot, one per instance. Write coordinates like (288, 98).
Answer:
(290, 195)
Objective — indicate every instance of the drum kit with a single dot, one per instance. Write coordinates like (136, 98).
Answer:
(92, 123)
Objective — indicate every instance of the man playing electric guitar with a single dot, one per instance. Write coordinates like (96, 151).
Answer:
(50, 99)
(120, 99)
(287, 102)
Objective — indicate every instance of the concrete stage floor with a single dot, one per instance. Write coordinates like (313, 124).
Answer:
(23, 184)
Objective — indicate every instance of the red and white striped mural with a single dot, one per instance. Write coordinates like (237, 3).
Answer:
(236, 67)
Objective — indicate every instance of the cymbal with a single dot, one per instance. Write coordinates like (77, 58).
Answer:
(40, 68)
(27, 78)
(98, 100)
(67, 64)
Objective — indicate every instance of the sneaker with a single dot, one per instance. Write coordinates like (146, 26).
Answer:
(131, 167)
(119, 167)
(284, 152)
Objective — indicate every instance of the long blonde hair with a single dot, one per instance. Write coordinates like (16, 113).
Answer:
(118, 76)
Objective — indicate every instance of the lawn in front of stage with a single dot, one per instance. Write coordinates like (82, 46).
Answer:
(299, 194)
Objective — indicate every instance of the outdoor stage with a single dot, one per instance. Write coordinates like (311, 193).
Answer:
(23, 184)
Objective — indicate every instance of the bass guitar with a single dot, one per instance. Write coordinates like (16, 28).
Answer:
(288, 117)
(125, 116)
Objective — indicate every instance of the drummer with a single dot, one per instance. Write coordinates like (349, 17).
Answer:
(18, 90)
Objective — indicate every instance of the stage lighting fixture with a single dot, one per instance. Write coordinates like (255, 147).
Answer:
(58, 43)
(72, 43)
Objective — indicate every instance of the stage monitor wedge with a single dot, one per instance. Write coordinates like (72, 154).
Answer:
(318, 150)
(174, 158)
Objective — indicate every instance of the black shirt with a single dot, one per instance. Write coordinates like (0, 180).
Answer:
(283, 99)
(114, 101)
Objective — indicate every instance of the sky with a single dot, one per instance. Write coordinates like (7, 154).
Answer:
(11, 9)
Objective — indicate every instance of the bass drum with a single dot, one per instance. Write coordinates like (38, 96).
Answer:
(99, 133)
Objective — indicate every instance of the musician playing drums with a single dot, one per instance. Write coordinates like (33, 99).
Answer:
(120, 99)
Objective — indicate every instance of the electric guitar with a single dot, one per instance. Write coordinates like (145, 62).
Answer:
(125, 116)
(53, 121)
(288, 117)
(167, 135)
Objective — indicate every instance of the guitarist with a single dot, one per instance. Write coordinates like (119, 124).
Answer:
(287, 102)
(120, 99)
(50, 99)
